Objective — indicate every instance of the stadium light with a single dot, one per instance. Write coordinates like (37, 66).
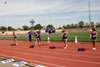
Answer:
(89, 8)
(32, 23)
(5, 3)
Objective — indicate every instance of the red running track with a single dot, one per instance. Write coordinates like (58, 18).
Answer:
(58, 57)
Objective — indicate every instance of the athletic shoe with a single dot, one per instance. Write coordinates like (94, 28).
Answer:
(65, 47)
(39, 43)
(35, 44)
(93, 48)
(16, 43)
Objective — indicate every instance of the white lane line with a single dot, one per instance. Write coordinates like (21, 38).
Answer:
(53, 57)
(76, 50)
(33, 60)
(91, 52)
(58, 53)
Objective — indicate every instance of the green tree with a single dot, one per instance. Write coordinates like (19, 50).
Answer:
(68, 26)
(38, 27)
(72, 26)
(76, 26)
(50, 26)
(25, 27)
(87, 25)
(3, 28)
(64, 26)
(19, 29)
(10, 28)
(30, 28)
(92, 24)
(81, 24)
(98, 24)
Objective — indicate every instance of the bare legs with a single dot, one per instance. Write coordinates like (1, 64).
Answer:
(37, 41)
(94, 44)
(15, 41)
(65, 42)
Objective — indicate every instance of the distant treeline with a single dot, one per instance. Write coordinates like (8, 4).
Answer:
(81, 24)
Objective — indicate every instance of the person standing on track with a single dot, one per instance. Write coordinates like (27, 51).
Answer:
(37, 41)
(65, 38)
(39, 34)
(94, 28)
(30, 36)
(15, 37)
(93, 36)
(62, 32)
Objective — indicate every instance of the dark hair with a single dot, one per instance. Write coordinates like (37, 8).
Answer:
(38, 32)
(35, 33)
(93, 29)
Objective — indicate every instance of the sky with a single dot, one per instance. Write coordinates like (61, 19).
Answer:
(17, 13)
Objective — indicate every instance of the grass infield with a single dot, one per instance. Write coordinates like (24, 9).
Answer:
(81, 36)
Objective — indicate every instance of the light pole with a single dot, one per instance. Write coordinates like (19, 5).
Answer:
(7, 31)
(89, 10)
(32, 23)
(7, 25)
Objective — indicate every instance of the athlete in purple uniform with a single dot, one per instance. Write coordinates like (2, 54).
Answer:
(65, 38)
(39, 34)
(30, 36)
(15, 37)
(36, 38)
(93, 36)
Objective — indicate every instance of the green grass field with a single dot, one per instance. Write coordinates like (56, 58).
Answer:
(82, 37)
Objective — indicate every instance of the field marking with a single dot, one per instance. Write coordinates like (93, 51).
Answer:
(91, 52)
(76, 50)
(56, 53)
(69, 50)
(54, 57)
(32, 60)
